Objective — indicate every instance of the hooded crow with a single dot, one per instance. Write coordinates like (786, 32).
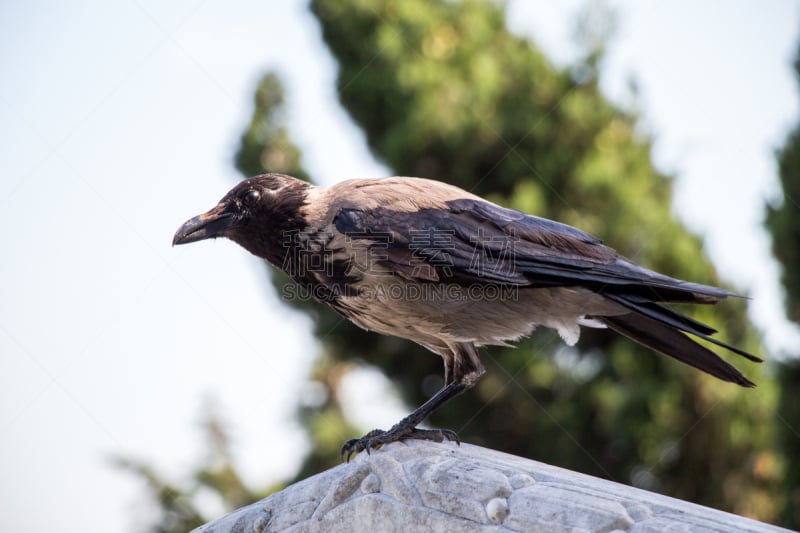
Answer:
(432, 263)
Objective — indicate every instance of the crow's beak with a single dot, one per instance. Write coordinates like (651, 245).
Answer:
(214, 223)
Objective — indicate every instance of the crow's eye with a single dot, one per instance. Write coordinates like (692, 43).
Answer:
(251, 198)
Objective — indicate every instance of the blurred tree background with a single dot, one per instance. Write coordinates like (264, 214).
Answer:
(783, 223)
(443, 89)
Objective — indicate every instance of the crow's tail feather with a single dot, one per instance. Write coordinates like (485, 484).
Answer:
(663, 336)
(669, 317)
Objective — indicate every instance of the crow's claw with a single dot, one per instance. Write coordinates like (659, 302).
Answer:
(377, 438)
(354, 446)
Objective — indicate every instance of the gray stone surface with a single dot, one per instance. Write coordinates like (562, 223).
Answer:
(424, 486)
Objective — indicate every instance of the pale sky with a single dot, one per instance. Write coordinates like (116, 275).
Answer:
(119, 121)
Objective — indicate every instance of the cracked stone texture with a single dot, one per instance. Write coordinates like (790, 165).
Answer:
(425, 486)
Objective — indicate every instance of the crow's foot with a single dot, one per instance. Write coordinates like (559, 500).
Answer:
(377, 438)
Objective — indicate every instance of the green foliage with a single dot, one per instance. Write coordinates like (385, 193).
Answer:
(265, 144)
(783, 223)
(788, 424)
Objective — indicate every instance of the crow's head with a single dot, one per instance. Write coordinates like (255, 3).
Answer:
(257, 214)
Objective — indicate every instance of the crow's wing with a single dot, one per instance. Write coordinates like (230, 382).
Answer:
(474, 241)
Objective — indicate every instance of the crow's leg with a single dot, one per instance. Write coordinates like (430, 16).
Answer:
(456, 382)
(407, 427)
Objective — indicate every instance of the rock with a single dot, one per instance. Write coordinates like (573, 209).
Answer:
(426, 486)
